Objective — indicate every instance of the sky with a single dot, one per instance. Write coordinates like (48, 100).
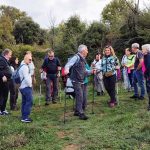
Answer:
(42, 11)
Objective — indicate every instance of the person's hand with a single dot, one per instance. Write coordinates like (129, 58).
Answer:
(66, 71)
(58, 68)
(4, 78)
(58, 75)
(117, 67)
(93, 71)
(41, 70)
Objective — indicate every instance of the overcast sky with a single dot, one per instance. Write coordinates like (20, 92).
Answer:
(41, 10)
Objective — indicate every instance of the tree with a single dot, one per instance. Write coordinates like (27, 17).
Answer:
(95, 38)
(26, 31)
(13, 13)
(114, 15)
(67, 35)
(6, 29)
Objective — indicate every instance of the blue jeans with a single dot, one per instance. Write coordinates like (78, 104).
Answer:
(27, 101)
(138, 77)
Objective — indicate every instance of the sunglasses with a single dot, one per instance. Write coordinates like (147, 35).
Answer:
(50, 56)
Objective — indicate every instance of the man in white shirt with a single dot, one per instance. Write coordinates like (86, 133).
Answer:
(26, 89)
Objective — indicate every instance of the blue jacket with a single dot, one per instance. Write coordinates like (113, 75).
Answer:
(109, 63)
(147, 65)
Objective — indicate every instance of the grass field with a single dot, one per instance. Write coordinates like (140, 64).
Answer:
(126, 127)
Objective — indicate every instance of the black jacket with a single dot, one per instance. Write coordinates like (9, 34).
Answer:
(147, 65)
(5, 68)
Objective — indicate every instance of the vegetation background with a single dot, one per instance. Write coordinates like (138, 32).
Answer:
(126, 127)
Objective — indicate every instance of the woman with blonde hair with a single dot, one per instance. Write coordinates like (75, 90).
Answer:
(110, 65)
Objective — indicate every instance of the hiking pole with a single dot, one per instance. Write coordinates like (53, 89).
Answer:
(117, 91)
(40, 95)
(59, 90)
(65, 104)
(93, 100)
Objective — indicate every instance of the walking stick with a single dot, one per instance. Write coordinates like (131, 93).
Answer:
(117, 91)
(93, 100)
(40, 95)
(65, 104)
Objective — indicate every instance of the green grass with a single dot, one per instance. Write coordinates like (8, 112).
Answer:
(126, 127)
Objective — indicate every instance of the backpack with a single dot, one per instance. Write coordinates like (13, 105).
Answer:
(16, 77)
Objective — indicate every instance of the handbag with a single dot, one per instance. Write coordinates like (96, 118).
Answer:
(108, 74)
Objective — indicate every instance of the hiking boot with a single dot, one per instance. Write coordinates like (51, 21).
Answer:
(27, 120)
(141, 98)
(98, 93)
(54, 102)
(83, 117)
(102, 93)
(47, 103)
(134, 97)
(76, 113)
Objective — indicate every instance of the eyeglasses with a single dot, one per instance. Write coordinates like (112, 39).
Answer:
(50, 56)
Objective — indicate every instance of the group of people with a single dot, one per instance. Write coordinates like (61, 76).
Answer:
(136, 70)
(135, 66)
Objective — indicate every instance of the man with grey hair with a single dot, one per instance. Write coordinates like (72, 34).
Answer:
(138, 76)
(5, 75)
(146, 53)
(77, 75)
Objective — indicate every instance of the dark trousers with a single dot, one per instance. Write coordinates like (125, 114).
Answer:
(13, 89)
(80, 96)
(27, 101)
(51, 94)
(110, 86)
(4, 88)
(148, 89)
(130, 75)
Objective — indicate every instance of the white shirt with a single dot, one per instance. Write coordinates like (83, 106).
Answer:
(25, 76)
(97, 64)
(31, 67)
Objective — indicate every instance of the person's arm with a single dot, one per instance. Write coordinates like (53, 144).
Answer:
(70, 63)
(26, 76)
(141, 59)
(1, 68)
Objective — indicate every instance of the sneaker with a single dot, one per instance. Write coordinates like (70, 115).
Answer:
(134, 97)
(83, 117)
(28, 120)
(0, 113)
(5, 112)
(141, 98)
(111, 105)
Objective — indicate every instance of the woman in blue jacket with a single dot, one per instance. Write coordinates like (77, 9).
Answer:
(110, 64)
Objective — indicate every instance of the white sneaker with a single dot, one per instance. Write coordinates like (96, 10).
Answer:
(5, 112)
(26, 120)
